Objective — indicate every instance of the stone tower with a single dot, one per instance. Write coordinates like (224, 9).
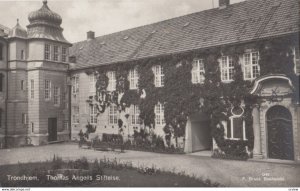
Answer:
(37, 104)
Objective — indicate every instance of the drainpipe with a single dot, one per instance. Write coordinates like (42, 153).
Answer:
(69, 103)
(6, 101)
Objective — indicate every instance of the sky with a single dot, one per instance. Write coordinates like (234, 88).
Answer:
(102, 16)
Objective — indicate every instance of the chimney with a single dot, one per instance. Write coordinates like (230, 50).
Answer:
(90, 35)
(223, 3)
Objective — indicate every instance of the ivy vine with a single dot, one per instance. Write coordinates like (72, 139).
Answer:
(181, 98)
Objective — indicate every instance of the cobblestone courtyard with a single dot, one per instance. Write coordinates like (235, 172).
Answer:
(226, 172)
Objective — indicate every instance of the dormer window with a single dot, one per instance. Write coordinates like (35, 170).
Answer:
(198, 71)
(227, 69)
(47, 52)
(251, 66)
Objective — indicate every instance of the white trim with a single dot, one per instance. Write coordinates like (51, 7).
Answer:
(257, 82)
(226, 69)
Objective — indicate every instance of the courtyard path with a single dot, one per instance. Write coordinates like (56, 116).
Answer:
(226, 172)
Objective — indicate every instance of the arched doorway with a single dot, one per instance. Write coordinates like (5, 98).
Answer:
(280, 133)
(200, 132)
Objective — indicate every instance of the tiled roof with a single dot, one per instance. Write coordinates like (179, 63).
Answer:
(245, 21)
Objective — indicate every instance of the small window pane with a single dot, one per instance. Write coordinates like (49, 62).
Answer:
(238, 127)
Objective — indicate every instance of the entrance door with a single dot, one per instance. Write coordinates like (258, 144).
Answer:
(280, 133)
(201, 136)
(52, 129)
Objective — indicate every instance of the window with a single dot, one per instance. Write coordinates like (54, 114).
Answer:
(75, 84)
(93, 114)
(113, 114)
(64, 54)
(23, 85)
(75, 114)
(198, 71)
(1, 52)
(32, 127)
(135, 115)
(24, 118)
(159, 76)
(1, 82)
(235, 128)
(112, 81)
(31, 89)
(159, 114)
(47, 52)
(22, 55)
(92, 83)
(296, 60)
(63, 96)
(133, 79)
(0, 117)
(47, 89)
(55, 53)
(56, 95)
(227, 69)
(66, 125)
(251, 66)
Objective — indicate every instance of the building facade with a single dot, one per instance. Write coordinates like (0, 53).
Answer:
(224, 80)
(235, 34)
(34, 69)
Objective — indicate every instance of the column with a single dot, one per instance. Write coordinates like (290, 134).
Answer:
(256, 128)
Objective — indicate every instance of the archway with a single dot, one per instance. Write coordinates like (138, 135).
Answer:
(200, 132)
(280, 133)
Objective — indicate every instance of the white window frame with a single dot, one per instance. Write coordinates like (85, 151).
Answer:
(135, 115)
(47, 89)
(133, 79)
(159, 114)
(159, 76)
(75, 84)
(56, 95)
(198, 71)
(92, 83)
(113, 114)
(112, 81)
(47, 52)
(251, 65)
(75, 115)
(55, 53)
(93, 114)
(32, 89)
(227, 69)
(64, 54)
(232, 128)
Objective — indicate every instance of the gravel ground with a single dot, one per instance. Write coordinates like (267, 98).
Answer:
(226, 172)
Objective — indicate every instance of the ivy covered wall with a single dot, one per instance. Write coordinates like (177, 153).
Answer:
(182, 98)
